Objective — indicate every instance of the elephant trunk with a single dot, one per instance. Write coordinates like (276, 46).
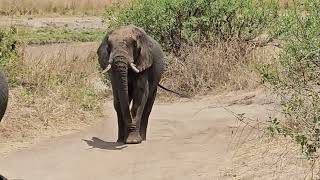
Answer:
(120, 73)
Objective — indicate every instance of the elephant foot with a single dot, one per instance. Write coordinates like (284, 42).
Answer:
(134, 138)
(120, 140)
(143, 136)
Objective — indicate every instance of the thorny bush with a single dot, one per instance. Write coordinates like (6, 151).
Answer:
(296, 76)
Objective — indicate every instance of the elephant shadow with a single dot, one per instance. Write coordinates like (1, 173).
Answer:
(96, 143)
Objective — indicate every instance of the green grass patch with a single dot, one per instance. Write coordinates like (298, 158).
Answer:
(56, 35)
(8, 41)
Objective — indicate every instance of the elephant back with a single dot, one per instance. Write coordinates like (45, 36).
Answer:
(3, 94)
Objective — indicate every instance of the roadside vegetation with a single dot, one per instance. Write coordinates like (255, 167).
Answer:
(54, 7)
(48, 94)
(294, 76)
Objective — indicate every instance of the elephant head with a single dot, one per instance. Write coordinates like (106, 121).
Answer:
(3, 94)
(127, 45)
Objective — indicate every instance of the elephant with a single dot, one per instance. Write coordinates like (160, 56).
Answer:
(135, 64)
(3, 94)
(2, 177)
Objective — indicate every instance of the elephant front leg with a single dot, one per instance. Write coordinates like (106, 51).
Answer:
(140, 96)
(121, 127)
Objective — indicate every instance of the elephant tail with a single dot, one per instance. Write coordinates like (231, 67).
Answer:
(179, 94)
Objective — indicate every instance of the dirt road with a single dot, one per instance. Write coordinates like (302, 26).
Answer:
(186, 140)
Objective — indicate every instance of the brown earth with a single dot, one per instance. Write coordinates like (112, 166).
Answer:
(190, 139)
(69, 22)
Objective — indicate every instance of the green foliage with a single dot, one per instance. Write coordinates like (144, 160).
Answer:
(8, 49)
(296, 77)
(175, 21)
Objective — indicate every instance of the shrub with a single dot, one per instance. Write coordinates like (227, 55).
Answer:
(224, 65)
(295, 77)
(173, 22)
(9, 53)
(8, 50)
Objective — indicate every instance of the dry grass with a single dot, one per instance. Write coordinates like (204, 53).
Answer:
(260, 157)
(219, 66)
(64, 7)
(52, 93)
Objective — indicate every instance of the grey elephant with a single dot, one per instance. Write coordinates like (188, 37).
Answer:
(2, 177)
(135, 64)
(3, 94)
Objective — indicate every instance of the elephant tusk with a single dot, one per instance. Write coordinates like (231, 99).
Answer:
(134, 68)
(106, 69)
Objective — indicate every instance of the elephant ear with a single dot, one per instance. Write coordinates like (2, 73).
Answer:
(143, 56)
(104, 52)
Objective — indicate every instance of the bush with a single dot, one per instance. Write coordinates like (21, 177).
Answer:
(224, 65)
(9, 55)
(296, 76)
(8, 50)
(173, 22)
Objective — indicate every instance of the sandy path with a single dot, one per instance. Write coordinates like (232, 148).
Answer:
(182, 144)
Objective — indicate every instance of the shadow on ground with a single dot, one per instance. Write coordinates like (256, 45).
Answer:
(96, 143)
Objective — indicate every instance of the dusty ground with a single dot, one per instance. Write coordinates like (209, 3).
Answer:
(191, 139)
(53, 51)
(73, 22)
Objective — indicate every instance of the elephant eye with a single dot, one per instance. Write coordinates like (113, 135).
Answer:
(109, 46)
(134, 44)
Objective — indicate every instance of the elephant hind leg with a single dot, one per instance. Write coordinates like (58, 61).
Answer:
(146, 114)
(140, 97)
